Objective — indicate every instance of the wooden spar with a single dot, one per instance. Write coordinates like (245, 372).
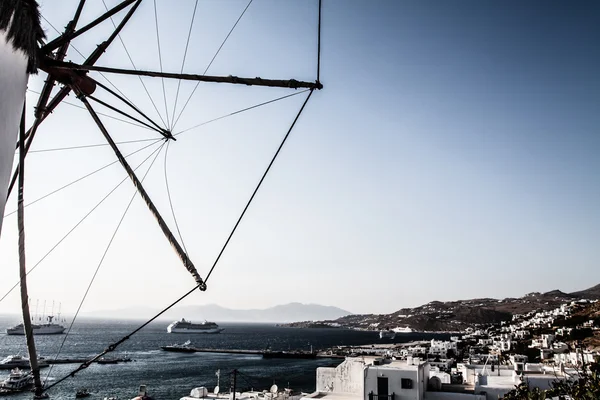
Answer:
(40, 109)
(41, 112)
(131, 105)
(136, 182)
(289, 83)
(33, 360)
(64, 92)
(66, 37)
(123, 113)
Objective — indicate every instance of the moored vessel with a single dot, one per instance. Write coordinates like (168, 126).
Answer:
(180, 348)
(18, 361)
(403, 330)
(184, 326)
(38, 329)
(17, 381)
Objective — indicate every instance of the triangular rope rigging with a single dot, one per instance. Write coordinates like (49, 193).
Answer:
(113, 346)
(74, 78)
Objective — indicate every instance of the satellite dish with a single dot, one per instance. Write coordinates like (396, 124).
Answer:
(273, 389)
(216, 391)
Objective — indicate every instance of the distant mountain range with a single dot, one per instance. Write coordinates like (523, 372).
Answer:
(457, 315)
(211, 312)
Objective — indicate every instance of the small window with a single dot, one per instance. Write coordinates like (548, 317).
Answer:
(406, 383)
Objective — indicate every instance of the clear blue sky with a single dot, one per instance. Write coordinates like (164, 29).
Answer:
(454, 153)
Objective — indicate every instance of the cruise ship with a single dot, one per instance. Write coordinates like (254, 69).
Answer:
(184, 326)
(41, 329)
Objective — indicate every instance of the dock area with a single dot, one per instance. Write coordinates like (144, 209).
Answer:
(117, 360)
(263, 353)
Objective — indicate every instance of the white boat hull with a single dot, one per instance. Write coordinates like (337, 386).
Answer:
(41, 330)
(185, 330)
(13, 83)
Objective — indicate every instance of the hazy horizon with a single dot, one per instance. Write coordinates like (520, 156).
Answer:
(452, 154)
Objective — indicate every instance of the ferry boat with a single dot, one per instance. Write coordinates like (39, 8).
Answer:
(403, 330)
(17, 361)
(17, 381)
(43, 329)
(184, 326)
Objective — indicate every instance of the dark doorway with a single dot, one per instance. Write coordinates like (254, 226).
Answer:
(382, 387)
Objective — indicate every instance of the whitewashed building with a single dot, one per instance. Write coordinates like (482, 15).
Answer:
(371, 378)
(441, 347)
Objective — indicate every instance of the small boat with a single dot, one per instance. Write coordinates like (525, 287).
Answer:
(17, 381)
(109, 360)
(387, 334)
(81, 393)
(181, 348)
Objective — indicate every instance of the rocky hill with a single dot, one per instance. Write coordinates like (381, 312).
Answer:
(452, 316)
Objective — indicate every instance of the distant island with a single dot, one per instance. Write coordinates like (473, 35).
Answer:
(453, 316)
(290, 312)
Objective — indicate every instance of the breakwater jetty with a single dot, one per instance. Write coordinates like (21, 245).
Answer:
(263, 353)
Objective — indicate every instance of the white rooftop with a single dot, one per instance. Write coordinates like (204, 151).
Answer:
(409, 364)
(332, 396)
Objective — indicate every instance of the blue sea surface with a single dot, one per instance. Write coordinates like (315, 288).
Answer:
(172, 375)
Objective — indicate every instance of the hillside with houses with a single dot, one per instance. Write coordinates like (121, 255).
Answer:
(536, 349)
(457, 316)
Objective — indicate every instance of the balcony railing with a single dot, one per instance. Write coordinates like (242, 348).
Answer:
(374, 396)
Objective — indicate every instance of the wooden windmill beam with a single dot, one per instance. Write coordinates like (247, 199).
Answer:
(66, 37)
(138, 185)
(283, 83)
(27, 328)
(64, 92)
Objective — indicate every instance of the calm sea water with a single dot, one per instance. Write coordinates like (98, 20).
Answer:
(172, 375)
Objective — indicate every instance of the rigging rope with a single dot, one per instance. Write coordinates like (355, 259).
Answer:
(77, 225)
(103, 114)
(175, 134)
(160, 64)
(130, 104)
(87, 146)
(110, 107)
(258, 186)
(113, 346)
(241, 111)
(171, 202)
(319, 44)
(135, 68)
(85, 176)
(211, 62)
(187, 43)
(102, 260)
